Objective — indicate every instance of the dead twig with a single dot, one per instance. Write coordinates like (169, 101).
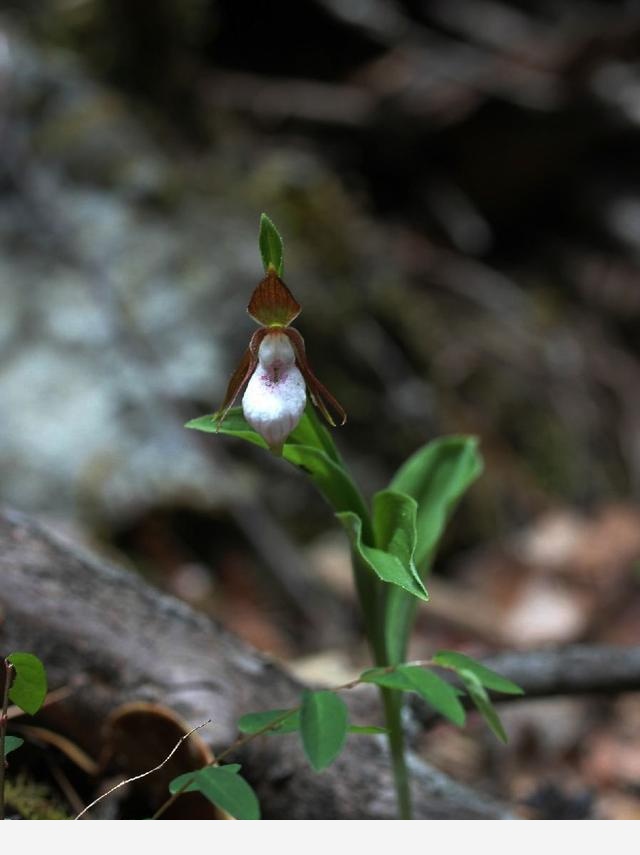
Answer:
(143, 774)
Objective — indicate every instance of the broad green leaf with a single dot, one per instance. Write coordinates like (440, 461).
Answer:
(324, 720)
(308, 432)
(394, 525)
(435, 691)
(254, 722)
(319, 460)
(11, 743)
(224, 787)
(436, 476)
(271, 248)
(367, 729)
(29, 688)
(387, 567)
(478, 695)
(234, 424)
(486, 677)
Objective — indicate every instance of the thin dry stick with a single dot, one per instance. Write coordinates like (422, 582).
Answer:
(144, 774)
(239, 742)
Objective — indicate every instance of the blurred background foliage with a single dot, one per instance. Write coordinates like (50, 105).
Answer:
(458, 186)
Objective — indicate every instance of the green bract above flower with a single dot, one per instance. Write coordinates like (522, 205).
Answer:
(276, 370)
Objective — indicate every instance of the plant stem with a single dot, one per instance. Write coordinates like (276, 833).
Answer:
(372, 602)
(392, 702)
(8, 669)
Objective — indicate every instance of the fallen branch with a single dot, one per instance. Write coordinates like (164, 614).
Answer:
(129, 642)
(580, 669)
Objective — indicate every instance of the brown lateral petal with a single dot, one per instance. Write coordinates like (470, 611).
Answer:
(272, 304)
(320, 395)
(241, 375)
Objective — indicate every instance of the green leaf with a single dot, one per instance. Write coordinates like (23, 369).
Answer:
(486, 677)
(11, 743)
(308, 432)
(311, 432)
(254, 722)
(394, 525)
(478, 695)
(271, 248)
(309, 447)
(224, 787)
(390, 679)
(386, 566)
(331, 479)
(29, 688)
(411, 678)
(436, 476)
(367, 729)
(234, 424)
(324, 720)
(435, 691)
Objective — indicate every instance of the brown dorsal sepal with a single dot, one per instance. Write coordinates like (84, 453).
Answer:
(272, 304)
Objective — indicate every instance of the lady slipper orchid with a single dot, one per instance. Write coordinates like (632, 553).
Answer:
(276, 370)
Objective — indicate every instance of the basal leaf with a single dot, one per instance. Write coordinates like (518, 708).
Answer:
(436, 476)
(488, 678)
(324, 722)
(29, 688)
(223, 786)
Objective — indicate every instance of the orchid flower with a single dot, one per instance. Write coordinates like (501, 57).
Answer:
(276, 370)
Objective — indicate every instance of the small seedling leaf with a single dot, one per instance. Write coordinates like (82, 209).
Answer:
(29, 687)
